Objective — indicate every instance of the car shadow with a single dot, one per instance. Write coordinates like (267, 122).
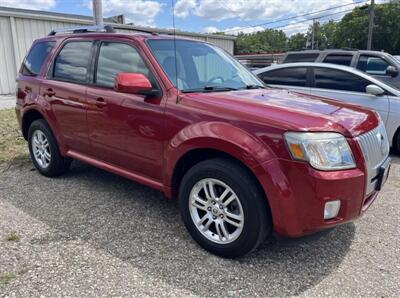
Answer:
(138, 225)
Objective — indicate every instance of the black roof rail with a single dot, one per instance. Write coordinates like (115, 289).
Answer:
(83, 29)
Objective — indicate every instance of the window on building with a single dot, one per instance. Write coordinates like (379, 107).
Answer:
(72, 63)
(36, 57)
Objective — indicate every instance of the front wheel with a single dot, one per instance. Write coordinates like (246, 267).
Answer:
(223, 208)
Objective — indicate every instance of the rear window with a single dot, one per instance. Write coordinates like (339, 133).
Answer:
(339, 59)
(72, 63)
(36, 57)
(301, 57)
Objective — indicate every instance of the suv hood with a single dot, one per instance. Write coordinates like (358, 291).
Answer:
(289, 110)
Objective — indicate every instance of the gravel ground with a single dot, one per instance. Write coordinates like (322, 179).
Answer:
(91, 233)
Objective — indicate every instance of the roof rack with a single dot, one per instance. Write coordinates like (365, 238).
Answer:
(83, 29)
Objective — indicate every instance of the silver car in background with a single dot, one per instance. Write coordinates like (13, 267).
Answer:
(342, 83)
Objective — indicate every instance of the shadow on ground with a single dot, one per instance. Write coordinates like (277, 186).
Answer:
(139, 226)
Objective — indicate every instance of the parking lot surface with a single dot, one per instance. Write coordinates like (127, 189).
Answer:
(91, 233)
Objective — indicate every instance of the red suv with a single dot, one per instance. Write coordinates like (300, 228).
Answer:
(186, 118)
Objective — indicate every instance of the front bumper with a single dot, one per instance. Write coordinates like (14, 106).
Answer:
(297, 194)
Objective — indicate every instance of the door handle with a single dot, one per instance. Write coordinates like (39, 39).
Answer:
(49, 92)
(100, 102)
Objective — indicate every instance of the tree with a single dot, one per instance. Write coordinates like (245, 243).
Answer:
(353, 28)
(268, 40)
(350, 32)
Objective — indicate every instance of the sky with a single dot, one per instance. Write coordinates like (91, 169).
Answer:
(206, 16)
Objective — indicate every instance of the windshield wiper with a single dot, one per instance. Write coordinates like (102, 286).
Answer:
(209, 89)
(254, 87)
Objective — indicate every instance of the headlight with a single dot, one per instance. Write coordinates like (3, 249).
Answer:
(324, 151)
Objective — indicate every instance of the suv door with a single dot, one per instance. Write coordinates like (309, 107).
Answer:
(124, 129)
(347, 87)
(293, 78)
(65, 91)
(376, 66)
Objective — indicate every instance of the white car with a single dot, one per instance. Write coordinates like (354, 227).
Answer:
(342, 83)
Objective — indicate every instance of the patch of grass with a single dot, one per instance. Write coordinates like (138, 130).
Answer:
(13, 147)
(13, 236)
(7, 278)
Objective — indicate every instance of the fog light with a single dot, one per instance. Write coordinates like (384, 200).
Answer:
(331, 209)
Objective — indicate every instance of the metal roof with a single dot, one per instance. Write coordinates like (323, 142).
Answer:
(73, 18)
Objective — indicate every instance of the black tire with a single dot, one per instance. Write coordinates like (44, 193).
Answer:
(396, 142)
(257, 224)
(58, 164)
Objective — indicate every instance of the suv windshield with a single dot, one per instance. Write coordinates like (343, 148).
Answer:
(201, 67)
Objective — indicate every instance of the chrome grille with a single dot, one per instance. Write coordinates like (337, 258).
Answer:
(375, 147)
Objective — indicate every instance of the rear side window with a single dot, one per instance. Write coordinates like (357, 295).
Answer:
(301, 57)
(294, 76)
(36, 57)
(115, 58)
(339, 80)
(372, 65)
(72, 63)
(339, 59)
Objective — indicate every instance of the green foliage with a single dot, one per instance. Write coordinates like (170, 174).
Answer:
(350, 32)
(268, 40)
(297, 42)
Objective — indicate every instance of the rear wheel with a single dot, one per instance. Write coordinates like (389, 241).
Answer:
(44, 150)
(223, 208)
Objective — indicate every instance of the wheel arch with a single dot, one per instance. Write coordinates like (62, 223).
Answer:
(209, 140)
(27, 119)
(33, 114)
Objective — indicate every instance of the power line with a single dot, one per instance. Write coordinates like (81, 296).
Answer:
(310, 19)
(297, 16)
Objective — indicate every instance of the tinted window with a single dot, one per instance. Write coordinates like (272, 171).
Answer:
(338, 59)
(72, 62)
(296, 76)
(35, 59)
(339, 80)
(115, 58)
(303, 57)
(372, 65)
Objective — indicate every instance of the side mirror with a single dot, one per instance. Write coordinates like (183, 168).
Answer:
(134, 83)
(374, 90)
(392, 71)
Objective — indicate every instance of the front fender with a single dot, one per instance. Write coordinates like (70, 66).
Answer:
(219, 136)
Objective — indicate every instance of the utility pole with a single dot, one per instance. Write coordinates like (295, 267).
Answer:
(313, 35)
(98, 12)
(371, 24)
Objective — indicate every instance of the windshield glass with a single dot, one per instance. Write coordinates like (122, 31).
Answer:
(200, 67)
